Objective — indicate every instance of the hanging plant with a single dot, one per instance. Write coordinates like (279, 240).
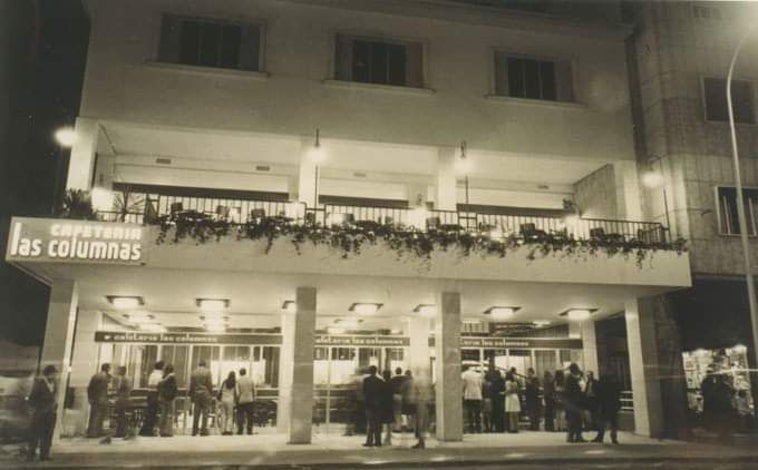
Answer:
(76, 204)
(404, 241)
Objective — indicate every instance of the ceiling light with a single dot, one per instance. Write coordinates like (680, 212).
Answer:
(501, 312)
(214, 328)
(335, 330)
(540, 323)
(212, 305)
(365, 308)
(140, 317)
(125, 302)
(289, 306)
(152, 327)
(65, 136)
(351, 323)
(215, 320)
(578, 314)
(426, 310)
(652, 179)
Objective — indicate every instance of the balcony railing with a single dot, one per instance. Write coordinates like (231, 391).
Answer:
(149, 208)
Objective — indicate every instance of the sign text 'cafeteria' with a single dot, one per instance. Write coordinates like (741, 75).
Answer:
(74, 240)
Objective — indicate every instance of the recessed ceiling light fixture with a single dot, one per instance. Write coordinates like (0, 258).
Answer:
(124, 302)
(212, 305)
(289, 306)
(366, 308)
(500, 312)
(335, 330)
(578, 314)
(426, 310)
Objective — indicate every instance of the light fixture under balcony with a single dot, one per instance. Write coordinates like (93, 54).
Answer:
(125, 302)
(541, 323)
(215, 320)
(212, 305)
(140, 316)
(426, 310)
(501, 313)
(367, 308)
(335, 330)
(215, 328)
(289, 306)
(152, 327)
(578, 314)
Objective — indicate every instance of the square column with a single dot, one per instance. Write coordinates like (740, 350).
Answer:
(446, 190)
(296, 387)
(643, 360)
(59, 336)
(447, 333)
(82, 162)
(589, 347)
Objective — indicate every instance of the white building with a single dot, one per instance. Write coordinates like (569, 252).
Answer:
(451, 117)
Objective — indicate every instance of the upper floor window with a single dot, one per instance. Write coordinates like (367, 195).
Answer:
(706, 12)
(524, 77)
(715, 100)
(210, 43)
(727, 210)
(378, 61)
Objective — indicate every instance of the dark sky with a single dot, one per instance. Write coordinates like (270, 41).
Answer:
(43, 46)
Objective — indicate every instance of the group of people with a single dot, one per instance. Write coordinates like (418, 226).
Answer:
(567, 401)
(725, 409)
(394, 403)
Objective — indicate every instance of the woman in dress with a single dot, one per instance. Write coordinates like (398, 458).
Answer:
(227, 397)
(560, 388)
(512, 402)
(166, 394)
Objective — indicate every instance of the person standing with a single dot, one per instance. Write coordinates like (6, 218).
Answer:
(573, 399)
(512, 402)
(409, 404)
(591, 400)
(201, 392)
(532, 399)
(373, 387)
(387, 415)
(396, 384)
(548, 391)
(151, 414)
(123, 387)
(43, 402)
(608, 393)
(472, 399)
(227, 396)
(97, 395)
(421, 391)
(560, 401)
(487, 402)
(245, 399)
(167, 390)
(497, 392)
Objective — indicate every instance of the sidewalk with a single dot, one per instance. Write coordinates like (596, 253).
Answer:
(326, 451)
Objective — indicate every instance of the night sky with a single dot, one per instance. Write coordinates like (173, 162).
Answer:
(43, 45)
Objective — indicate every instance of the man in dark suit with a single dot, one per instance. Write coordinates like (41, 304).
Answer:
(97, 395)
(201, 392)
(373, 387)
(43, 401)
(609, 404)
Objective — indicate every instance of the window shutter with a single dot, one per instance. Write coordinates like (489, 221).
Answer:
(564, 81)
(501, 74)
(250, 48)
(414, 70)
(171, 29)
(343, 57)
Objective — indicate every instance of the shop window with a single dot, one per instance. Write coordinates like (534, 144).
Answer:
(727, 210)
(210, 43)
(378, 61)
(524, 77)
(714, 90)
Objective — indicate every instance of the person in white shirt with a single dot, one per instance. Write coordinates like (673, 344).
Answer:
(148, 425)
(472, 398)
(245, 400)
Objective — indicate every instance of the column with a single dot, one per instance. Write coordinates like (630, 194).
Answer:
(296, 390)
(589, 347)
(82, 161)
(59, 336)
(446, 190)
(83, 366)
(447, 334)
(306, 179)
(643, 360)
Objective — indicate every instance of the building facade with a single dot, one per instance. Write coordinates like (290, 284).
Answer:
(308, 188)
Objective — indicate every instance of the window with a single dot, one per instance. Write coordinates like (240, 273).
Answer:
(210, 43)
(715, 100)
(381, 62)
(727, 210)
(706, 13)
(523, 77)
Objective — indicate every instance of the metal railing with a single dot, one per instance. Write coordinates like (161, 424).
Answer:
(149, 208)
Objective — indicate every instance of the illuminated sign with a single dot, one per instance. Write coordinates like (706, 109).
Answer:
(517, 343)
(361, 340)
(184, 338)
(74, 240)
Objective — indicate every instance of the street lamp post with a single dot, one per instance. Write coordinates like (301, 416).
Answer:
(741, 211)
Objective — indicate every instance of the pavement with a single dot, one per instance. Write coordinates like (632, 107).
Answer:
(523, 450)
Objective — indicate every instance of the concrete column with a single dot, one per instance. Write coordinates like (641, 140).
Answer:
(84, 365)
(286, 368)
(418, 351)
(300, 330)
(643, 360)
(59, 335)
(589, 347)
(447, 333)
(446, 195)
(82, 161)
(306, 179)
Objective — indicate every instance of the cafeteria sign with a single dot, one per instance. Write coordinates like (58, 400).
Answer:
(74, 240)
(184, 338)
